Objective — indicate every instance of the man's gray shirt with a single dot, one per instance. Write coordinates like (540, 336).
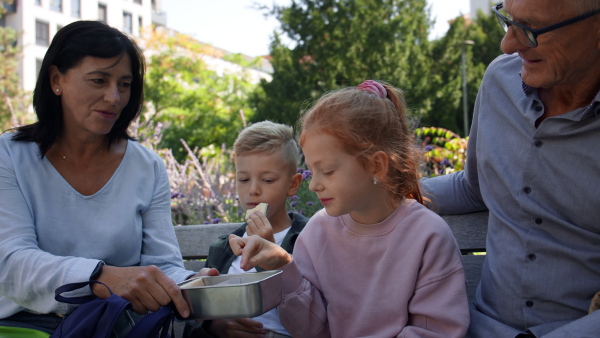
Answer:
(542, 188)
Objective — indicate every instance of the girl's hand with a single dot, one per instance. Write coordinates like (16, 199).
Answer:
(257, 251)
(259, 225)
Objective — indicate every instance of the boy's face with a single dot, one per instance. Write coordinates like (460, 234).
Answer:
(265, 178)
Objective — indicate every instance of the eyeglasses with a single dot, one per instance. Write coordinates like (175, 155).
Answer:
(528, 36)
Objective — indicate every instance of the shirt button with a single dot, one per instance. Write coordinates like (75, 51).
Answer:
(529, 303)
(538, 143)
(527, 190)
(538, 108)
(532, 257)
(538, 221)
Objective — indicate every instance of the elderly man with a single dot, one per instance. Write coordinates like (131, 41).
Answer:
(533, 162)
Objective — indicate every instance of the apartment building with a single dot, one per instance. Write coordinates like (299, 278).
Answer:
(37, 21)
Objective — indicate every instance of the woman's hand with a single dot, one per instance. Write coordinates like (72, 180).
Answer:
(146, 287)
(257, 251)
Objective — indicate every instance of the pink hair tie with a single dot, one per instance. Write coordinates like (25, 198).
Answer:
(373, 87)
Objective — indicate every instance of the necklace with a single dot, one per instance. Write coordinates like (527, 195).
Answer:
(66, 159)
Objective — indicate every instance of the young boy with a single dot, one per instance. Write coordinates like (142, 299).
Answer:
(265, 164)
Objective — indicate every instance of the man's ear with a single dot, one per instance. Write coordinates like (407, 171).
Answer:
(379, 165)
(295, 184)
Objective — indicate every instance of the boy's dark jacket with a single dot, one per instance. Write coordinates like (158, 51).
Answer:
(221, 257)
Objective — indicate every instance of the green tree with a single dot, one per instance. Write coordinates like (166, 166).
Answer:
(342, 43)
(13, 106)
(446, 74)
(191, 101)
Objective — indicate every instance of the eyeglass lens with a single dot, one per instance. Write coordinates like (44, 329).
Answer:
(524, 36)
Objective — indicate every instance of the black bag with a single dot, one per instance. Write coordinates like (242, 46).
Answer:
(96, 317)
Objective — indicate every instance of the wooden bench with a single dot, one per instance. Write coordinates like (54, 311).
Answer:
(469, 230)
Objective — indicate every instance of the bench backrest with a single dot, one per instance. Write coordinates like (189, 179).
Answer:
(469, 230)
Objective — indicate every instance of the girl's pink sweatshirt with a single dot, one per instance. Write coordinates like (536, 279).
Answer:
(402, 277)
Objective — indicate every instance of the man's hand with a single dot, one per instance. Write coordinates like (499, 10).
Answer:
(259, 225)
(257, 251)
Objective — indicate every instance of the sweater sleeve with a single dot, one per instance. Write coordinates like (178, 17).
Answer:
(439, 306)
(160, 245)
(299, 294)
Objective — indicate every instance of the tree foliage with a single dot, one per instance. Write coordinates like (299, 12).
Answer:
(338, 43)
(13, 100)
(193, 102)
(342, 43)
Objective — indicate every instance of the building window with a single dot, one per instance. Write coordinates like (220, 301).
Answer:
(127, 23)
(140, 25)
(137, 1)
(42, 33)
(56, 5)
(102, 12)
(38, 2)
(76, 8)
(154, 5)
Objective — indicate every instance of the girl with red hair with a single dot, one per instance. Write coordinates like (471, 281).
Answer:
(375, 261)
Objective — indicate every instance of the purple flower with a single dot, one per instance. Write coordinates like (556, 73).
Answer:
(428, 148)
(306, 174)
(445, 162)
(174, 195)
(216, 220)
(206, 222)
(294, 198)
(310, 204)
(293, 204)
(299, 170)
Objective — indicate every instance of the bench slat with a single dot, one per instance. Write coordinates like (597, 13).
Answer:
(469, 230)
(195, 240)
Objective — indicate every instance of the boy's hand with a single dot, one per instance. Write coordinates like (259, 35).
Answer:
(206, 272)
(242, 327)
(259, 225)
(257, 251)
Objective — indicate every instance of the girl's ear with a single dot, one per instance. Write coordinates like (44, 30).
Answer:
(379, 165)
(295, 184)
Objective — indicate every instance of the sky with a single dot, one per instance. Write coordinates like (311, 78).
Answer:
(235, 26)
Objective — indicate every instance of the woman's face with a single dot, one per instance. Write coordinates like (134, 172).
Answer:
(93, 93)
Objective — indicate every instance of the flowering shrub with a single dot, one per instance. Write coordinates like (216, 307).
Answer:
(443, 151)
(305, 202)
(203, 186)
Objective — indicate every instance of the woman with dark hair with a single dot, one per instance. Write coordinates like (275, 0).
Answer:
(80, 199)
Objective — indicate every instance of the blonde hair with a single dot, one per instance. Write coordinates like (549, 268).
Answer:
(267, 137)
(365, 123)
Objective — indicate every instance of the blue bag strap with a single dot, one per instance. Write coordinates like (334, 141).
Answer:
(151, 323)
(73, 287)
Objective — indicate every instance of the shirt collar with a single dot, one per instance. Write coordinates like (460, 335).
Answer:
(593, 108)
